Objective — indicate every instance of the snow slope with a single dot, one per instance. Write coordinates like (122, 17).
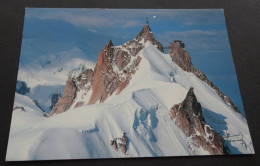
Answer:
(54, 69)
(141, 110)
(48, 74)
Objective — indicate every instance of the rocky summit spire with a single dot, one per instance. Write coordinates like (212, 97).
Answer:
(146, 35)
(112, 73)
(188, 117)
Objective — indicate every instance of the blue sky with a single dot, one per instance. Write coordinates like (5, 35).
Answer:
(203, 32)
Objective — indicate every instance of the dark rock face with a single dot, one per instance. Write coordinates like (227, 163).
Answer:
(38, 105)
(123, 145)
(21, 87)
(85, 79)
(147, 35)
(120, 143)
(113, 144)
(114, 69)
(18, 107)
(54, 99)
(117, 64)
(82, 82)
(188, 117)
(181, 57)
(104, 82)
(67, 98)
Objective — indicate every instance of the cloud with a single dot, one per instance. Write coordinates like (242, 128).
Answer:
(75, 18)
(83, 17)
(198, 28)
(194, 32)
(93, 30)
(208, 40)
(187, 16)
(126, 18)
(129, 24)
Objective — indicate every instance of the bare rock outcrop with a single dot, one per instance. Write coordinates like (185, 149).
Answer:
(114, 69)
(147, 35)
(113, 143)
(188, 117)
(182, 58)
(73, 85)
(84, 80)
(19, 107)
(38, 105)
(104, 76)
(121, 143)
(67, 98)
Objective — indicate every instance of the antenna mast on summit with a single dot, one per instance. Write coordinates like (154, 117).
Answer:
(147, 21)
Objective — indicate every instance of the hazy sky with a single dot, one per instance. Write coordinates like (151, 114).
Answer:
(203, 32)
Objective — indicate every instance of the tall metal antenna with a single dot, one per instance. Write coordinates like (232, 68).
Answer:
(147, 21)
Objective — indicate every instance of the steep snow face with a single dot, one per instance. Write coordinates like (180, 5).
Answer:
(141, 110)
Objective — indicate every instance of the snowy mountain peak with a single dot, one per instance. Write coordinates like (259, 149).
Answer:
(113, 70)
(112, 73)
(108, 47)
(117, 64)
(188, 117)
(146, 35)
(145, 32)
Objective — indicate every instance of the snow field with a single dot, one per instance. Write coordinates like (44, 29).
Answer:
(141, 110)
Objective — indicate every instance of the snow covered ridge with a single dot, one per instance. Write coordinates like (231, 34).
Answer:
(127, 102)
(112, 73)
(181, 57)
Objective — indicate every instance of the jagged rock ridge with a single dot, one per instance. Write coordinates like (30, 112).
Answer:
(188, 117)
(73, 85)
(114, 70)
(117, 64)
(182, 58)
(112, 73)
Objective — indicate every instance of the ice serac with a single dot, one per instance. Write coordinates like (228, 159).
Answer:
(181, 57)
(188, 117)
